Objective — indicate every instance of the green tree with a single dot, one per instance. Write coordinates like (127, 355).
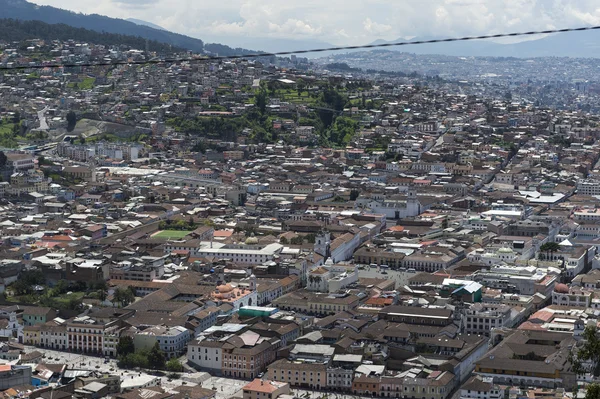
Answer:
(156, 357)
(592, 391)
(354, 194)
(342, 131)
(71, 121)
(260, 100)
(549, 248)
(3, 159)
(589, 351)
(174, 365)
(123, 296)
(125, 346)
(284, 241)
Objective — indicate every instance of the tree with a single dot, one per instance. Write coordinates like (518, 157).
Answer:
(445, 222)
(174, 365)
(592, 391)
(284, 241)
(589, 351)
(260, 100)
(549, 248)
(3, 159)
(71, 121)
(124, 296)
(156, 357)
(125, 346)
(354, 194)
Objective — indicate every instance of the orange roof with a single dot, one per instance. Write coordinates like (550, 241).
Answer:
(223, 233)
(396, 228)
(542, 315)
(265, 386)
(379, 301)
(57, 238)
(5, 367)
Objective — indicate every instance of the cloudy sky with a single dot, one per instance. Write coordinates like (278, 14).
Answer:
(343, 21)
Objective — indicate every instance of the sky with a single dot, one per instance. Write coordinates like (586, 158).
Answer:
(343, 22)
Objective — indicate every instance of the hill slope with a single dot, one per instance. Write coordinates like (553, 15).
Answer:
(145, 23)
(23, 10)
(15, 30)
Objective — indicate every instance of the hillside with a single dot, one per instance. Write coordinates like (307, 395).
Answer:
(23, 10)
(12, 30)
(572, 44)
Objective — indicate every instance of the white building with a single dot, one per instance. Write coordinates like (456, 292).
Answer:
(238, 253)
(478, 387)
(172, 340)
(393, 208)
(331, 278)
(481, 318)
(588, 187)
(206, 355)
(565, 296)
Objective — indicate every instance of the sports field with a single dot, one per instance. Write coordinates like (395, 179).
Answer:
(171, 234)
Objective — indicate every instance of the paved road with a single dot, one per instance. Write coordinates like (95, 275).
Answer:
(42, 118)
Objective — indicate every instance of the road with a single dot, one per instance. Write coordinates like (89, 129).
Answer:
(42, 118)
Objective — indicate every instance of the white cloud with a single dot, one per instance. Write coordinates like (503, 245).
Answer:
(375, 28)
(344, 21)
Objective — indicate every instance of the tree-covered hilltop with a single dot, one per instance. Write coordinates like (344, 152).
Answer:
(24, 10)
(12, 30)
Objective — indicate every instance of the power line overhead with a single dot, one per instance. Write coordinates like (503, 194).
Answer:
(317, 50)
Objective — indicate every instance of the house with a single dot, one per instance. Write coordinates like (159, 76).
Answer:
(265, 389)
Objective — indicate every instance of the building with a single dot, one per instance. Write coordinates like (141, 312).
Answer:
(86, 334)
(19, 162)
(417, 315)
(299, 374)
(265, 389)
(478, 387)
(13, 376)
(331, 278)
(238, 253)
(572, 297)
(307, 302)
(481, 318)
(172, 340)
(529, 357)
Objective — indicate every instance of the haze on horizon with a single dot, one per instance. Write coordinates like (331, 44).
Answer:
(342, 22)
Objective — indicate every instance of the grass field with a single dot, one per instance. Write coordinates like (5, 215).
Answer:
(171, 234)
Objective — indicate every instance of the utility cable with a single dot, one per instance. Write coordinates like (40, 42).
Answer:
(205, 58)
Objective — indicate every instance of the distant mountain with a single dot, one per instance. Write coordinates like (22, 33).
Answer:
(572, 44)
(23, 10)
(273, 45)
(145, 23)
(12, 30)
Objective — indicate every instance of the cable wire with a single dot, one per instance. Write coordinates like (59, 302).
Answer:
(205, 58)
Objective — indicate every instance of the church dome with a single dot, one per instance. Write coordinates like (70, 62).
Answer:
(225, 288)
(561, 289)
